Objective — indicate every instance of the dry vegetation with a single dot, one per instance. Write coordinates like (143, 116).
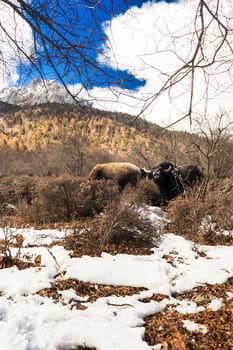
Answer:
(46, 153)
(204, 220)
(56, 139)
(169, 329)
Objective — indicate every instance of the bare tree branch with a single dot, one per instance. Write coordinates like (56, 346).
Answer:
(63, 38)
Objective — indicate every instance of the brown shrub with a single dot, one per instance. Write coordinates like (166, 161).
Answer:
(16, 188)
(54, 200)
(66, 198)
(122, 221)
(186, 214)
(95, 195)
(121, 227)
(148, 192)
(202, 220)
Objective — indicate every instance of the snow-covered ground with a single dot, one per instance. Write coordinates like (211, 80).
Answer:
(29, 321)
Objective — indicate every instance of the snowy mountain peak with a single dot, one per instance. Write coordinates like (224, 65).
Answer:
(37, 92)
(37, 83)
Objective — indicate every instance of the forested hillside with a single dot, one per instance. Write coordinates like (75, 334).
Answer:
(56, 139)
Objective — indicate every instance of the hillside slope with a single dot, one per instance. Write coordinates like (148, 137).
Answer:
(41, 128)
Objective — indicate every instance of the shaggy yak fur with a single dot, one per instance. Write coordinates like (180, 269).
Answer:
(122, 173)
(190, 174)
(169, 184)
(173, 181)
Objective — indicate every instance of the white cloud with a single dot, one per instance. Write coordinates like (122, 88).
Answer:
(13, 27)
(155, 40)
(150, 42)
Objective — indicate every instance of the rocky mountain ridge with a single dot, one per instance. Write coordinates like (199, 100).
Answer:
(37, 92)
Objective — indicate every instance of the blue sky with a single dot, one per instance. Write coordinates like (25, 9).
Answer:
(92, 18)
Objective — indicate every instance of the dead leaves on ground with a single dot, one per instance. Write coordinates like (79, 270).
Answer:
(37, 259)
(83, 289)
(167, 327)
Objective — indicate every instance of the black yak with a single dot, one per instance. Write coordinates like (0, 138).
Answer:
(189, 174)
(173, 180)
(164, 176)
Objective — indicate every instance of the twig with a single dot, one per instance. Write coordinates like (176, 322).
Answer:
(120, 305)
(61, 273)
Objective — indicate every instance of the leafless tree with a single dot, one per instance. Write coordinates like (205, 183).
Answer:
(209, 52)
(63, 40)
(216, 147)
(73, 153)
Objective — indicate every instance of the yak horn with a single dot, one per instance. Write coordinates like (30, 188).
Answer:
(168, 169)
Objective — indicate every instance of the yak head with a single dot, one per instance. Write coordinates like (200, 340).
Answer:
(164, 175)
(146, 174)
(163, 169)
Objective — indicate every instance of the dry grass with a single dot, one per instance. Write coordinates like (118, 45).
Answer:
(120, 228)
(147, 192)
(203, 221)
(123, 221)
(64, 199)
